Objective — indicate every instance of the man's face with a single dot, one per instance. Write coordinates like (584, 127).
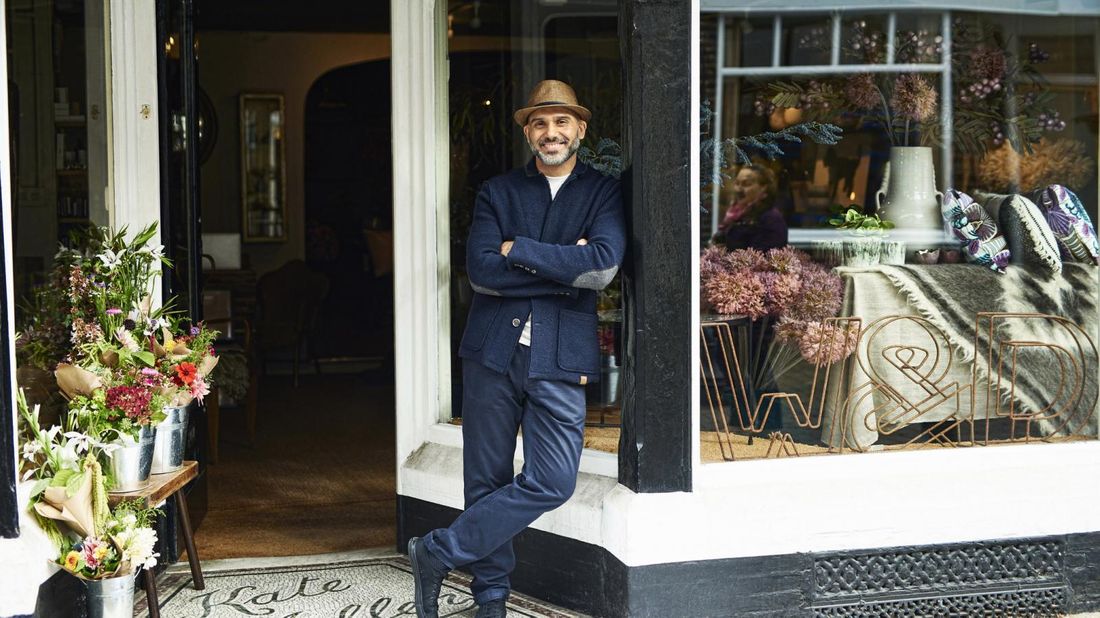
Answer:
(554, 134)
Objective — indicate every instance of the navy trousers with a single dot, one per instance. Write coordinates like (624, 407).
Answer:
(495, 406)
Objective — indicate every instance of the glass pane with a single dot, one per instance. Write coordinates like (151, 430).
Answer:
(57, 107)
(749, 43)
(807, 41)
(489, 80)
(863, 39)
(848, 304)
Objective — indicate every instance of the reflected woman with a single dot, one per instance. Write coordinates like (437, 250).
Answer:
(753, 220)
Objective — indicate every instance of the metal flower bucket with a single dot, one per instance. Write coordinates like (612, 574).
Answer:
(112, 597)
(132, 463)
(171, 437)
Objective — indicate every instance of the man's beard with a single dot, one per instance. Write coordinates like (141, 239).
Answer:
(558, 159)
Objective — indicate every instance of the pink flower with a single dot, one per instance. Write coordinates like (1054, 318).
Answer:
(712, 262)
(114, 311)
(819, 296)
(824, 344)
(88, 550)
(199, 388)
(783, 291)
(737, 293)
(746, 259)
(787, 260)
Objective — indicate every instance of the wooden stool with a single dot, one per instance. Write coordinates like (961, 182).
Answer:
(159, 489)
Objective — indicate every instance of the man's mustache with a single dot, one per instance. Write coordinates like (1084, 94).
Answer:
(553, 140)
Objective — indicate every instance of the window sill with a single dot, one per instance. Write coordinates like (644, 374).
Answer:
(600, 463)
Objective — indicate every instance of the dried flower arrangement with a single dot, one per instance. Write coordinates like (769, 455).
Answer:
(1063, 161)
(785, 289)
(998, 96)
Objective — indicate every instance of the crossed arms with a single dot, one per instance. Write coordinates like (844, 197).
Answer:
(524, 267)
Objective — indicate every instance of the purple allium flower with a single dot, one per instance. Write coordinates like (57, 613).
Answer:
(861, 92)
(741, 292)
(194, 331)
(819, 297)
(746, 259)
(824, 343)
(914, 97)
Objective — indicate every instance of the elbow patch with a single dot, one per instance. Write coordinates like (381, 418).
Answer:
(595, 279)
(484, 290)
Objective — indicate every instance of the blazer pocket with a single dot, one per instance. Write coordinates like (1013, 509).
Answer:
(478, 324)
(578, 350)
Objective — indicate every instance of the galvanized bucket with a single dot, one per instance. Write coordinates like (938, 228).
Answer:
(170, 440)
(132, 463)
(112, 597)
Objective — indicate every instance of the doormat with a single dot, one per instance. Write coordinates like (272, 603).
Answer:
(371, 588)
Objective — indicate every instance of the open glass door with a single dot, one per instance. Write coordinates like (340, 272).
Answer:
(180, 218)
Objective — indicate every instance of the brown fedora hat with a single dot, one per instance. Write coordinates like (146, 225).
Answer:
(551, 93)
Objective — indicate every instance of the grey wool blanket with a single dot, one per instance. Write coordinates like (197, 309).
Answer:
(951, 296)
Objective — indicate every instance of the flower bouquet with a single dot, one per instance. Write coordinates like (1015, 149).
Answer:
(69, 498)
(788, 300)
(185, 363)
(69, 501)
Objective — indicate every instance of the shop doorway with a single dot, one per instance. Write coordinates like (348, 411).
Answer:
(302, 461)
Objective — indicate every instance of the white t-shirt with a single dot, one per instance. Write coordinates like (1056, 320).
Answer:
(555, 183)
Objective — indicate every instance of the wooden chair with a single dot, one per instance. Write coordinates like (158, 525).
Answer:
(290, 298)
(235, 338)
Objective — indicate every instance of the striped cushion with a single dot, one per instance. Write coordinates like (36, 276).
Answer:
(1030, 239)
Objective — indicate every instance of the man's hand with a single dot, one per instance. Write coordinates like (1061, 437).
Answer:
(505, 247)
(582, 242)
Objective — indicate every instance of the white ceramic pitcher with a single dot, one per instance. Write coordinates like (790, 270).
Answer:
(908, 196)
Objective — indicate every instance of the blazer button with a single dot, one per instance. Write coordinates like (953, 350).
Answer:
(515, 322)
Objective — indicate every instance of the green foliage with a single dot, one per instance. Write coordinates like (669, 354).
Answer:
(769, 144)
(607, 157)
(853, 219)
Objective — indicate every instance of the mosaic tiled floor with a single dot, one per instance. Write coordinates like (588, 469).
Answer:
(379, 587)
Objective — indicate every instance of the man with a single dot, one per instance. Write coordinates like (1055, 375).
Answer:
(544, 239)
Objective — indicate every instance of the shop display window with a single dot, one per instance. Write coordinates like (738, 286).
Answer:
(898, 245)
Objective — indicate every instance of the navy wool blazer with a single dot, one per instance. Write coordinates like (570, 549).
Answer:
(546, 274)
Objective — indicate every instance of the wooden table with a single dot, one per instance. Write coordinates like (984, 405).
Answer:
(159, 489)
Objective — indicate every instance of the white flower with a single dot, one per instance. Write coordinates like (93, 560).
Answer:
(63, 251)
(126, 339)
(156, 251)
(70, 459)
(155, 325)
(30, 449)
(137, 547)
(110, 259)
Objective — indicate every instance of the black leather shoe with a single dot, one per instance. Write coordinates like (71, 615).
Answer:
(493, 609)
(428, 575)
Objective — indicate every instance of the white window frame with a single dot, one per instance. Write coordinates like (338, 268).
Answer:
(835, 67)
